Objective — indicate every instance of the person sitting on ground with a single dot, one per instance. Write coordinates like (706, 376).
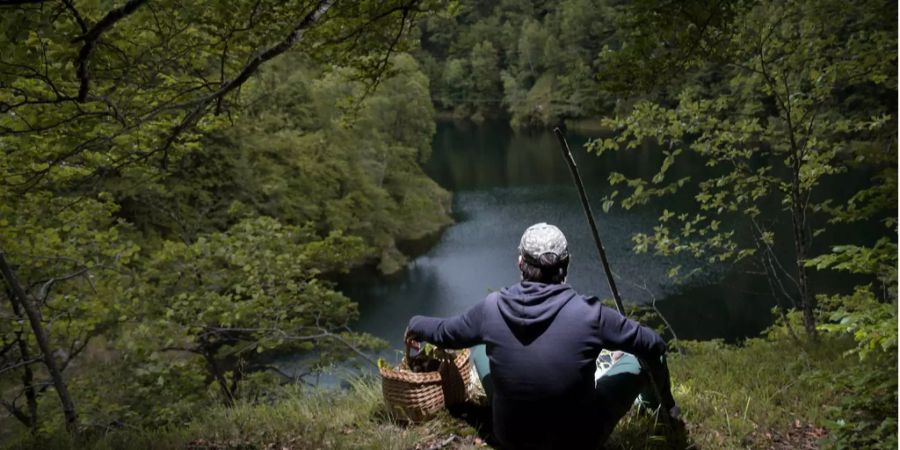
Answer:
(542, 341)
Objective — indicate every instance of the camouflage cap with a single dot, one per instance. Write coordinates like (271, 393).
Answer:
(545, 240)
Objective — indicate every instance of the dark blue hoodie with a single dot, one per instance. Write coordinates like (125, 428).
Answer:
(542, 341)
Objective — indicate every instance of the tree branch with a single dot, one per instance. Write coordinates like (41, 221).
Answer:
(350, 346)
(15, 410)
(21, 364)
(45, 289)
(773, 260)
(90, 40)
(75, 350)
(292, 38)
(40, 333)
(19, 2)
(77, 15)
(659, 313)
(295, 35)
(387, 55)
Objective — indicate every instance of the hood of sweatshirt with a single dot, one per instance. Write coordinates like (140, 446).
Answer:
(528, 308)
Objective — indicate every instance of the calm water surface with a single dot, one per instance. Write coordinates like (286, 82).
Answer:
(502, 182)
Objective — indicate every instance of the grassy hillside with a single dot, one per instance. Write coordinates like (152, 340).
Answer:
(767, 393)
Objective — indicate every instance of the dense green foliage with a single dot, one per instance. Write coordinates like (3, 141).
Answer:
(774, 98)
(534, 61)
(771, 98)
(310, 149)
(180, 183)
(790, 106)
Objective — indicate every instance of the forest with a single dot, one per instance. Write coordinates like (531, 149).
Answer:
(190, 189)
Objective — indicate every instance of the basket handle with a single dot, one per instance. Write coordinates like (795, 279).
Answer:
(407, 347)
(407, 344)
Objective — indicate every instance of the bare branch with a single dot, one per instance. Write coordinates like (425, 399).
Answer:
(774, 259)
(357, 32)
(16, 412)
(19, 2)
(771, 275)
(45, 289)
(350, 346)
(273, 369)
(181, 349)
(650, 293)
(21, 364)
(781, 308)
(75, 350)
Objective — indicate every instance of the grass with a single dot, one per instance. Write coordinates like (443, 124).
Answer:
(763, 394)
(349, 419)
(737, 397)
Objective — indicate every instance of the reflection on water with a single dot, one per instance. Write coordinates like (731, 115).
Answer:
(502, 183)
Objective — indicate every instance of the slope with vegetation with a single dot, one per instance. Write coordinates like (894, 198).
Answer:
(746, 396)
(773, 98)
(181, 181)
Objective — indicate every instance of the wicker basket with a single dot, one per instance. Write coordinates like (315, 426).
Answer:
(416, 396)
(455, 378)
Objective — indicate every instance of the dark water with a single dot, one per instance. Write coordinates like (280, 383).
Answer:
(503, 182)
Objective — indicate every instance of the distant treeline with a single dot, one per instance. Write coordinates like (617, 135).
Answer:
(533, 61)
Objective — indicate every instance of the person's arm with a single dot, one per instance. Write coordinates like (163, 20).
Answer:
(618, 332)
(455, 332)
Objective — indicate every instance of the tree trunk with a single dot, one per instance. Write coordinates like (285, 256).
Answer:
(28, 374)
(798, 219)
(772, 278)
(34, 318)
(219, 376)
(30, 393)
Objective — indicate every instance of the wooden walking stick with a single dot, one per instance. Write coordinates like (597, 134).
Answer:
(567, 154)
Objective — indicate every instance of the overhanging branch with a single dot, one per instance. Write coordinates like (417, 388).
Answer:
(19, 2)
(90, 40)
(201, 104)
(289, 41)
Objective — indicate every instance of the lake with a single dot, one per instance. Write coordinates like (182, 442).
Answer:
(504, 181)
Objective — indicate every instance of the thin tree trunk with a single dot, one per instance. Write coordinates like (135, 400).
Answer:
(798, 219)
(771, 278)
(219, 376)
(34, 317)
(28, 374)
(236, 376)
(30, 392)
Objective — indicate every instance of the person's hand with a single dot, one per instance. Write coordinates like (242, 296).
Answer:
(411, 340)
(679, 428)
(675, 412)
